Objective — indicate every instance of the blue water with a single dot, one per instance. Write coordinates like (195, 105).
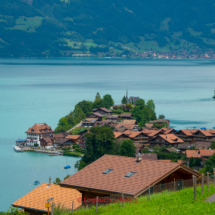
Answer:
(35, 91)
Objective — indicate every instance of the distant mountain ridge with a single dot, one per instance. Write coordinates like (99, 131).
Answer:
(54, 28)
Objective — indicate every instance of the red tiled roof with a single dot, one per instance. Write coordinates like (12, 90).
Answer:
(187, 132)
(206, 152)
(40, 128)
(37, 198)
(128, 126)
(129, 121)
(72, 137)
(192, 153)
(171, 138)
(147, 172)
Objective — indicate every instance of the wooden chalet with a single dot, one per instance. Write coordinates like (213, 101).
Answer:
(202, 135)
(113, 118)
(74, 139)
(121, 136)
(112, 174)
(62, 142)
(46, 141)
(126, 116)
(166, 122)
(95, 115)
(89, 122)
(103, 111)
(186, 135)
(165, 140)
(138, 137)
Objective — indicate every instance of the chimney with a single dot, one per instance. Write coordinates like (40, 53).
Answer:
(50, 181)
(139, 157)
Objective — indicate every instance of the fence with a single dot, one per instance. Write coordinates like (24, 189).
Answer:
(172, 186)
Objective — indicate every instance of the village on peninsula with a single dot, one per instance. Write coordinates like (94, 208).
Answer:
(125, 152)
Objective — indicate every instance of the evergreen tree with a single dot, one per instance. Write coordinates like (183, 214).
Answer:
(212, 146)
(79, 114)
(124, 100)
(108, 101)
(191, 162)
(150, 106)
(127, 148)
(100, 141)
(97, 96)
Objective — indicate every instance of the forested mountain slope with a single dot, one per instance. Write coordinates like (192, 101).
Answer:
(39, 28)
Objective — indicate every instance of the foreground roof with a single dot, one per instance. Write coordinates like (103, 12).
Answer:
(147, 172)
(37, 198)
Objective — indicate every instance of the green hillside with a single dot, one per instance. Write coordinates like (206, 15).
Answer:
(55, 28)
(165, 203)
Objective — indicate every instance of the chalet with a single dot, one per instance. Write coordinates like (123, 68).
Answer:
(168, 130)
(103, 111)
(95, 115)
(186, 135)
(192, 153)
(102, 123)
(36, 132)
(126, 116)
(82, 139)
(183, 147)
(33, 202)
(129, 121)
(151, 133)
(166, 122)
(128, 127)
(169, 150)
(165, 140)
(205, 154)
(112, 174)
(139, 137)
(62, 142)
(202, 145)
(61, 135)
(113, 118)
(120, 136)
(202, 135)
(89, 122)
(74, 139)
(46, 142)
(148, 125)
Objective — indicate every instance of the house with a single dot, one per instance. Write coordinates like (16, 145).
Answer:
(183, 147)
(166, 122)
(126, 116)
(202, 135)
(121, 136)
(103, 111)
(205, 154)
(34, 201)
(168, 130)
(127, 126)
(36, 132)
(89, 122)
(169, 150)
(74, 139)
(82, 139)
(129, 121)
(186, 135)
(95, 115)
(113, 174)
(46, 142)
(165, 140)
(62, 142)
(139, 137)
(202, 145)
(192, 153)
(113, 118)
(148, 125)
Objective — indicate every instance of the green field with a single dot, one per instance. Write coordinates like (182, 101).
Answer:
(165, 203)
(27, 23)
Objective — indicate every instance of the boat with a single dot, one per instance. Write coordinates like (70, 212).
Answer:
(35, 181)
(17, 149)
(67, 166)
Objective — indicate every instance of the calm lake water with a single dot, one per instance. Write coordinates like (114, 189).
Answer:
(35, 91)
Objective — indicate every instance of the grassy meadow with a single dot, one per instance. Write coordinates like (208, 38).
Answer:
(165, 203)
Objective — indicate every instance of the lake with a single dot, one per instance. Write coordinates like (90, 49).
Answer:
(44, 90)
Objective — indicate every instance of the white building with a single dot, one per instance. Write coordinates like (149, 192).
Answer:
(36, 132)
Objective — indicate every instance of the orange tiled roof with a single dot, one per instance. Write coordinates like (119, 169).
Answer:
(134, 134)
(128, 132)
(72, 137)
(129, 121)
(192, 153)
(206, 152)
(152, 133)
(117, 134)
(166, 130)
(171, 138)
(206, 133)
(37, 198)
(147, 172)
(187, 132)
(128, 126)
(40, 128)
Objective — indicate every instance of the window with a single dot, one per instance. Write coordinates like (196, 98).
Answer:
(130, 174)
(107, 171)
(161, 186)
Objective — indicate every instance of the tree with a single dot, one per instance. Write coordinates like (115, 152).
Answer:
(86, 106)
(124, 100)
(197, 162)
(150, 107)
(210, 164)
(145, 150)
(79, 114)
(98, 103)
(57, 181)
(127, 148)
(140, 103)
(100, 141)
(108, 101)
(212, 146)
(97, 96)
(161, 116)
(191, 162)
(66, 177)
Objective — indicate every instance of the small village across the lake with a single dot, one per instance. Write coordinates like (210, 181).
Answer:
(125, 151)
